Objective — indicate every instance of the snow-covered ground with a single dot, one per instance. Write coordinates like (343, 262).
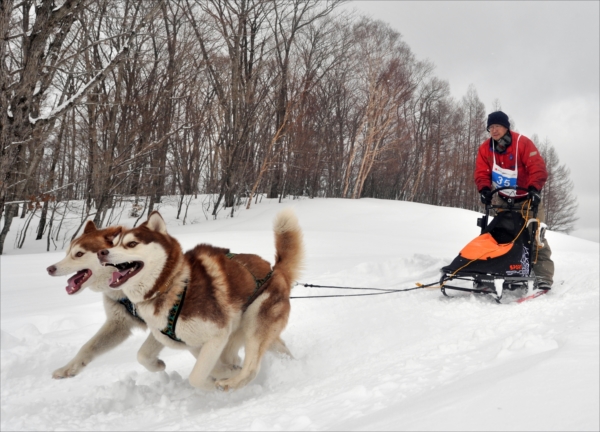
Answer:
(402, 361)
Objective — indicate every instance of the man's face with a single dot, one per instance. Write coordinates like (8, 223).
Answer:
(497, 131)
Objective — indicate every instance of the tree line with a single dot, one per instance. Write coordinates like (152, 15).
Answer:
(102, 99)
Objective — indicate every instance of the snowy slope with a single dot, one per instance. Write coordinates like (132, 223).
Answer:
(402, 361)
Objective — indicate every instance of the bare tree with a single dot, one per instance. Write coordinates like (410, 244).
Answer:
(560, 201)
(233, 37)
(287, 21)
(38, 53)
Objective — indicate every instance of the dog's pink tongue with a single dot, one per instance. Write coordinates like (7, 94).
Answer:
(117, 275)
(71, 286)
(74, 283)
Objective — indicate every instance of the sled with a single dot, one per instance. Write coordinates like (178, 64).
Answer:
(500, 259)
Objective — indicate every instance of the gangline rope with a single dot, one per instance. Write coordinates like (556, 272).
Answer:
(379, 290)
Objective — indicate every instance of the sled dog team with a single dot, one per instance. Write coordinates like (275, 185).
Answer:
(206, 300)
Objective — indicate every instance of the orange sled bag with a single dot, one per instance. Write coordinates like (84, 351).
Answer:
(501, 250)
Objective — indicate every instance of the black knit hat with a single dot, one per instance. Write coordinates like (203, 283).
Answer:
(499, 118)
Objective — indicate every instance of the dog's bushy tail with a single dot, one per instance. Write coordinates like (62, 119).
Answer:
(288, 246)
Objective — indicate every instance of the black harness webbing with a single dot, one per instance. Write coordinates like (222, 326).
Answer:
(257, 282)
(130, 307)
(169, 330)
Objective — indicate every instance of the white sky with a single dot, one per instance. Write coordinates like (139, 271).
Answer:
(540, 59)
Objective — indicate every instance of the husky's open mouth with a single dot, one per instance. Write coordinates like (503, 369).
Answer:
(75, 282)
(124, 272)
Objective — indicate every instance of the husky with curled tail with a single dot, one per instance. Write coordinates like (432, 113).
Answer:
(208, 300)
(267, 316)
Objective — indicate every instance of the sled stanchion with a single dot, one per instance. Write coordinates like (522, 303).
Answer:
(482, 222)
(530, 287)
(499, 286)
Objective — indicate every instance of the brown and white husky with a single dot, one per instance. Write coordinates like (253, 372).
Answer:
(207, 300)
(121, 318)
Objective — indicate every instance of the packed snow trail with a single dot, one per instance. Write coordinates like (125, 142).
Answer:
(402, 361)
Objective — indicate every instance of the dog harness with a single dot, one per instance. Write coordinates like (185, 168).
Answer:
(130, 307)
(169, 330)
(258, 283)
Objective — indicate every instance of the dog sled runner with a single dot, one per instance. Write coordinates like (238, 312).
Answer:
(502, 257)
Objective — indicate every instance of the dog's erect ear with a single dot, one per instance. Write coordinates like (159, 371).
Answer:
(90, 226)
(112, 234)
(157, 223)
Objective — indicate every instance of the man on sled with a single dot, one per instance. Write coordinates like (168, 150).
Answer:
(509, 159)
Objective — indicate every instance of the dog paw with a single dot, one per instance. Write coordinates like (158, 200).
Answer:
(223, 388)
(68, 371)
(240, 380)
(59, 374)
(156, 366)
(224, 371)
(207, 385)
(226, 384)
(160, 365)
(232, 360)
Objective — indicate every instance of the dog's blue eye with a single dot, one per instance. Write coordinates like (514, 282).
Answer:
(132, 244)
(79, 254)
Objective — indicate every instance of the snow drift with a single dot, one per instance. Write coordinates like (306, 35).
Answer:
(402, 361)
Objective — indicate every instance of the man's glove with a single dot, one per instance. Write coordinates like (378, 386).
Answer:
(534, 196)
(485, 195)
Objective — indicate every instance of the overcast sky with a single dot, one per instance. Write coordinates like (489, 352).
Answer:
(540, 59)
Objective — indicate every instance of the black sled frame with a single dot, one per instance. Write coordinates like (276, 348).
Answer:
(492, 284)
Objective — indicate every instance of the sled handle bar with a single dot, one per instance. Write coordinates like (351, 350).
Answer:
(483, 221)
(509, 200)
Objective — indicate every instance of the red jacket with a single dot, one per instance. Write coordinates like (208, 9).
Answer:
(531, 170)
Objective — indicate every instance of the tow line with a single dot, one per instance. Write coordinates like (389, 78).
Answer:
(379, 290)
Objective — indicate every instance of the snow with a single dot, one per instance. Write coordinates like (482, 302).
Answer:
(38, 87)
(401, 361)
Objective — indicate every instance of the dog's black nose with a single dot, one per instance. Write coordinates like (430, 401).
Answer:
(51, 270)
(103, 252)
